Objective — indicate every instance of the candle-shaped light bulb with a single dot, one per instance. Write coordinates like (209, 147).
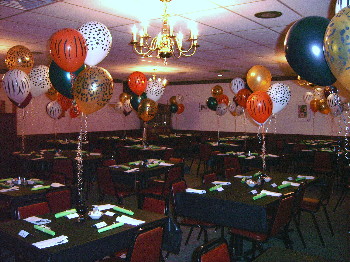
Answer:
(179, 40)
(134, 33)
(144, 27)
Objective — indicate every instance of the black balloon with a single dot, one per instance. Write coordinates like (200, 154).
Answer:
(173, 108)
(329, 90)
(62, 80)
(135, 100)
(304, 50)
(212, 103)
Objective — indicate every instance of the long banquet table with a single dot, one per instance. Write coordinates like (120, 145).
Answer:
(84, 241)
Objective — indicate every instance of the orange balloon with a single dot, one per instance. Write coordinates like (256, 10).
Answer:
(52, 93)
(137, 82)
(259, 106)
(242, 96)
(74, 111)
(180, 108)
(314, 105)
(259, 78)
(19, 57)
(323, 107)
(223, 99)
(64, 101)
(124, 96)
(216, 91)
(68, 49)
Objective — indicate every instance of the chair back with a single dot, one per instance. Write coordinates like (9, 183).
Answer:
(174, 174)
(208, 178)
(64, 166)
(108, 162)
(176, 160)
(168, 153)
(154, 205)
(283, 215)
(123, 155)
(215, 250)
(298, 198)
(104, 181)
(59, 200)
(147, 246)
(322, 161)
(231, 172)
(33, 210)
(232, 162)
(205, 152)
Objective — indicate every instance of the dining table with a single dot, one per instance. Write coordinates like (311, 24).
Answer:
(21, 191)
(235, 203)
(60, 237)
(139, 151)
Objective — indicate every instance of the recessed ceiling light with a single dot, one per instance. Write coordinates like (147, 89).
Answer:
(219, 75)
(268, 14)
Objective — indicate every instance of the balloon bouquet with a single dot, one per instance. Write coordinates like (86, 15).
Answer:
(177, 106)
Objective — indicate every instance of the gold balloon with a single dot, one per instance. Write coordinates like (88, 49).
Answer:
(259, 78)
(52, 93)
(147, 109)
(172, 100)
(92, 89)
(216, 91)
(123, 97)
(19, 57)
(323, 106)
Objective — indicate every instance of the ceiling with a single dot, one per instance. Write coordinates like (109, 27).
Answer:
(231, 38)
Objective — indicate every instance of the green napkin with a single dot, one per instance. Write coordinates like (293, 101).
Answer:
(257, 174)
(40, 187)
(125, 167)
(152, 165)
(64, 213)
(242, 156)
(5, 179)
(5, 185)
(45, 230)
(58, 157)
(38, 182)
(254, 154)
(259, 196)
(243, 180)
(134, 163)
(123, 210)
(230, 153)
(300, 178)
(103, 229)
(285, 185)
(214, 187)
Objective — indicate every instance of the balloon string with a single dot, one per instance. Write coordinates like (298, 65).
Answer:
(144, 134)
(218, 122)
(346, 139)
(22, 132)
(269, 124)
(79, 158)
(263, 150)
(275, 123)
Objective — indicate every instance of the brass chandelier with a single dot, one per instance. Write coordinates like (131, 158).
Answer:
(166, 44)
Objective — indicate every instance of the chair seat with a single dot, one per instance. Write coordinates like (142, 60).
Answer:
(155, 188)
(310, 204)
(261, 237)
(193, 222)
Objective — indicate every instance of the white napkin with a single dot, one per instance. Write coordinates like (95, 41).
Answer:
(37, 220)
(292, 183)
(38, 158)
(224, 183)
(197, 191)
(51, 242)
(56, 185)
(9, 189)
(132, 170)
(270, 193)
(129, 220)
(271, 155)
(165, 164)
(307, 177)
(250, 157)
(95, 154)
(241, 176)
(104, 207)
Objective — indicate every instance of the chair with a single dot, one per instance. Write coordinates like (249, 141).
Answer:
(204, 156)
(154, 205)
(109, 162)
(278, 224)
(314, 204)
(107, 186)
(33, 210)
(230, 173)
(189, 222)
(168, 153)
(322, 164)
(62, 171)
(145, 248)
(345, 183)
(215, 250)
(232, 162)
(298, 198)
(208, 178)
(59, 200)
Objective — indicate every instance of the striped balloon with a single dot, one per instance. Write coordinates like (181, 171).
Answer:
(259, 106)
(341, 4)
(54, 109)
(68, 49)
(17, 85)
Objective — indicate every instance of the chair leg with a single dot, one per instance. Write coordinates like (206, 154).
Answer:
(205, 235)
(318, 229)
(341, 199)
(297, 225)
(200, 233)
(199, 165)
(328, 220)
(189, 235)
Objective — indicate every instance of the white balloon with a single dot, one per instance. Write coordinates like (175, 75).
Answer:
(318, 93)
(280, 96)
(17, 85)
(179, 98)
(237, 84)
(221, 109)
(308, 97)
(232, 107)
(341, 4)
(39, 80)
(154, 90)
(54, 109)
(119, 107)
(333, 102)
(98, 41)
(239, 110)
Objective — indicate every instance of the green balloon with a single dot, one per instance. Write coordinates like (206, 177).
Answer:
(173, 108)
(135, 100)
(62, 80)
(212, 103)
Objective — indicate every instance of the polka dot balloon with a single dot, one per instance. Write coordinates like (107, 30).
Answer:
(154, 90)
(280, 96)
(39, 80)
